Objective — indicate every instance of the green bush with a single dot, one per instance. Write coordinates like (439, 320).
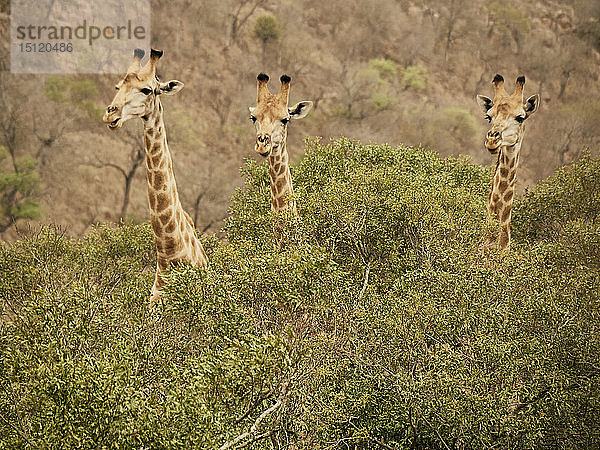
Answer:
(19, 191)
(509, 18)
(267, 29)
(460, 121)
(564, 210)
(379, 78)
(65, 89)
(382, 101)
(385, 68)
(377, 325)
(88, 366)
(452, 129)
(415, 77)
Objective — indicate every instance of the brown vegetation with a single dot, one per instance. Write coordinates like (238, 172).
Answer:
(382, 70)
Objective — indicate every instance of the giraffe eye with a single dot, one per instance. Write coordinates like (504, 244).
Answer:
(145, 91)
(520, 119)
(488, 118)
(116, 88)
(253, 119)
(284, 121)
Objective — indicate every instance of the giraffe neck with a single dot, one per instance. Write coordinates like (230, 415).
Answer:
(173, 231)
(281, 180)
(159, 165)
(501, 196)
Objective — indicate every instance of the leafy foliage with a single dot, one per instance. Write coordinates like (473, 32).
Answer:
(267, 29)
(19, 189)
(415, 77)
(510, 19)
(91, 365)
(565, 209)
(75, 91)
(377, 325)
(509, 16)
(379, 77)
(459, 128)
(385, 68)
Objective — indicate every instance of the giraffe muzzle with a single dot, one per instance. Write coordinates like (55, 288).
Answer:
(112, 122)
(492, 148)
(115, 123)
(112, 117)
(493, 140)
(263, 145)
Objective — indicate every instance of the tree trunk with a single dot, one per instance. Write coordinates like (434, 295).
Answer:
(563, 84)
(451, 21)
(197, 207)
(128, 180)
(129, 176)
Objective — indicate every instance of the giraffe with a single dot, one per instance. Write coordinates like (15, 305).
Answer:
(506, 113)
(138, 95)
(271, 116)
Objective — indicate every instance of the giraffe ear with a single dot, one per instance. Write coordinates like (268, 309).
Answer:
(531, 104)
(300, 109)
(170, 87)
(485, 102)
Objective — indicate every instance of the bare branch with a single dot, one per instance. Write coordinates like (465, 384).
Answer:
(207, 227)
(366, 282)
(238, 22)
(251, 435)
(436, 432)
(136, 158)
(102, 165)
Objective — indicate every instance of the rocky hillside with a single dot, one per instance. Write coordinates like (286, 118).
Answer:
(383, 71)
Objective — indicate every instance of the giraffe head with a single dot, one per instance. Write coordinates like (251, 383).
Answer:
(506, 113)
(137, 91)
(272, 114)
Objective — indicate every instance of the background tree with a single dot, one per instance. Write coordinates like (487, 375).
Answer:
(509, 20)
(453, 20)
(128, 169)
(19, 182)
(444, 52)
(268, 31)
(19, 189)
(239, 11)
